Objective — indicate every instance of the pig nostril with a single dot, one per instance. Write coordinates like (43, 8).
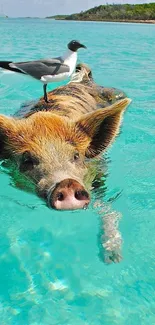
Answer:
(81, 195)
(60, 196)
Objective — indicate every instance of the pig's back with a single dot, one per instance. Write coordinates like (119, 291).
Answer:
(73, 100)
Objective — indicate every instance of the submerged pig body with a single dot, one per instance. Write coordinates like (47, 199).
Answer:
(53, 144)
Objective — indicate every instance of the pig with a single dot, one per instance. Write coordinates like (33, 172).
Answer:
(54, 144)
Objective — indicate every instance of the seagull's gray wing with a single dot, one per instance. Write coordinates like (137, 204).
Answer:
(40, 68)
(53, 60)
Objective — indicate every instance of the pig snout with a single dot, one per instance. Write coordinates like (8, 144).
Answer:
(68, 195)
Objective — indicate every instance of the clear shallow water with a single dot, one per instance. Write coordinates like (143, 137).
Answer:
(50, 270)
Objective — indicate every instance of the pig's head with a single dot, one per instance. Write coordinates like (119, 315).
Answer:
(51, 151)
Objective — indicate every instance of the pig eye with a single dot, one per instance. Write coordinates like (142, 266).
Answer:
(27, 162)
(76, 156)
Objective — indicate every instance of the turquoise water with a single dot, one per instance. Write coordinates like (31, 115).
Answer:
(51, 271)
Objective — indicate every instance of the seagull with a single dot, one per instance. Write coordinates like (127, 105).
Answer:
(48, 70)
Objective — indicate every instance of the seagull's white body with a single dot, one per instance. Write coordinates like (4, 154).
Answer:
(69, 59)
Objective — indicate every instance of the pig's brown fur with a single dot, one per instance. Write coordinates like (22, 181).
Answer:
(73, 121)
(25, 134)
(78, 98)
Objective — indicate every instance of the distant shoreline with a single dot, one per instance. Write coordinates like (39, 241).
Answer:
(123, 13)
(141, 21)
(116, 21)
(132, 21)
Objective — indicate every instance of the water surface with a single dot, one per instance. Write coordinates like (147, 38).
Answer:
(50, 268)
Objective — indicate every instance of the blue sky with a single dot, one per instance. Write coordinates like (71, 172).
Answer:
(43, 8)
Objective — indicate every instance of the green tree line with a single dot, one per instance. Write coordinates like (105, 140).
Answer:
(116, 12)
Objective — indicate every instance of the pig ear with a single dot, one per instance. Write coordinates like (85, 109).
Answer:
(102, 126)
(7, 134)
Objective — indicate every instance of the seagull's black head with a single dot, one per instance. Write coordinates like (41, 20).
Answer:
(75, 45)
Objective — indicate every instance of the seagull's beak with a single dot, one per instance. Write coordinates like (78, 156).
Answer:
(81, 45)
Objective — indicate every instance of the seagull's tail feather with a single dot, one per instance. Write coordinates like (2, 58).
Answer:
(6, 65)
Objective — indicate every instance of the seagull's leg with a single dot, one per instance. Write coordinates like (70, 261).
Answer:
(45, 93)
